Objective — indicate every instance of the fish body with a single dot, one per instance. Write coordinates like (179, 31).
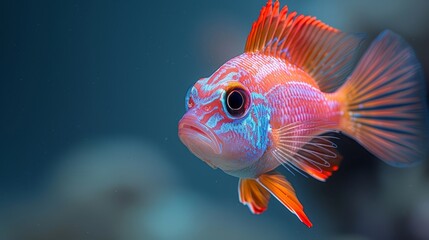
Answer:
(297, 80)
(282, 93)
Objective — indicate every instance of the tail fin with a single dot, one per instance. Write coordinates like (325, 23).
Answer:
(384, 102)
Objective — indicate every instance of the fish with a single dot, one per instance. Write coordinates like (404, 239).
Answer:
(298, 87)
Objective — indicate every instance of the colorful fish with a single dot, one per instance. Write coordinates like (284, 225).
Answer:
(297, 80)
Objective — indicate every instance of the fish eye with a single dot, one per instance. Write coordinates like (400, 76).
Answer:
(237, 102)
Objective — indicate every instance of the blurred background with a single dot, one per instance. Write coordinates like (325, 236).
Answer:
(90, 96)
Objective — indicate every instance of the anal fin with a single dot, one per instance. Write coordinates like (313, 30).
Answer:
(280, 188)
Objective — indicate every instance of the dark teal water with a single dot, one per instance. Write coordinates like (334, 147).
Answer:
(90, 96)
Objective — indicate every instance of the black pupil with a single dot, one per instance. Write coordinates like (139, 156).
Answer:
(235, 102)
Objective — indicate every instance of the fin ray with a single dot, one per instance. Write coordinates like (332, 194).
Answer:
(299, 145)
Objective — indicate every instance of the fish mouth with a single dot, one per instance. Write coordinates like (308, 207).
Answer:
(200, 140)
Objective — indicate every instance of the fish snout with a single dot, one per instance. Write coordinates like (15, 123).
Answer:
(200, 139)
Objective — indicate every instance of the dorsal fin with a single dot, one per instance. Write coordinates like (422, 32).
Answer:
(326, 53)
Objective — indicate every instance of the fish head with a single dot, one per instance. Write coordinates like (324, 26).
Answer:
(225, 124)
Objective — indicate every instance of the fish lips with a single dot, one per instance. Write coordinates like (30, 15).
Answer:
(199, 139)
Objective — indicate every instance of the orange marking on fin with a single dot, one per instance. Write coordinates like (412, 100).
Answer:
(324, 52)
(280, 188)
(314, 154)
(252, 194)
(321, 158)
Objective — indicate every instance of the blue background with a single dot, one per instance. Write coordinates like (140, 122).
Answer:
(90, 96)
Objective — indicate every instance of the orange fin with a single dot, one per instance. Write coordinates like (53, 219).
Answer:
(327, 54)
(280, 188)
(297, 146)
(384, 102)
(252, 194)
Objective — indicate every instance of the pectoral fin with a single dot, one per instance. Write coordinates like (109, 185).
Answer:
(297, 146)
